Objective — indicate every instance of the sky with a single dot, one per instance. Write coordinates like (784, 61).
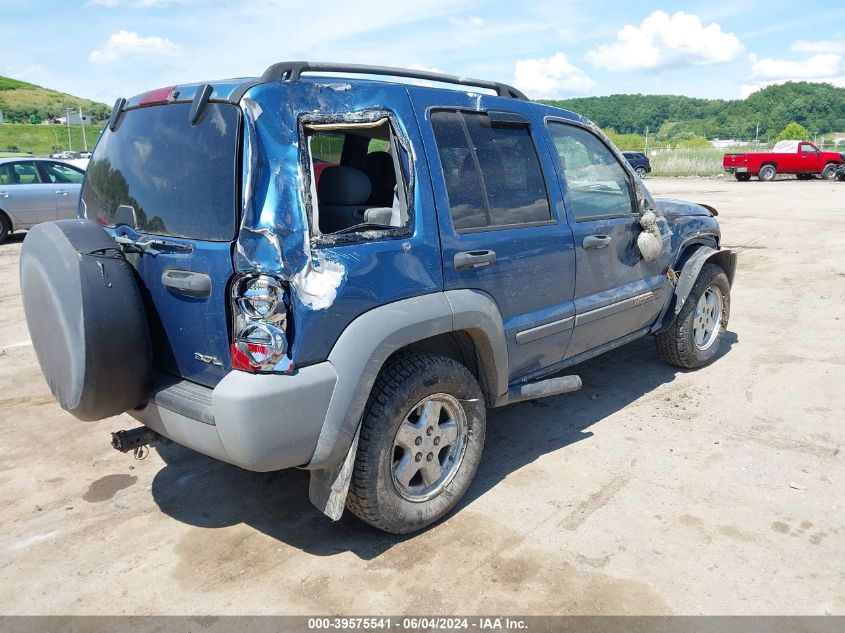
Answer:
(105, 49)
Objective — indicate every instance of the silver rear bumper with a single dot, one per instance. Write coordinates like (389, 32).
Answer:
(260, 422)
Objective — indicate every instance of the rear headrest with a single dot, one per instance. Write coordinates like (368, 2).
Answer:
(343, 186)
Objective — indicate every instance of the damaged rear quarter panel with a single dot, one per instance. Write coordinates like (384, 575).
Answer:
(275, 234)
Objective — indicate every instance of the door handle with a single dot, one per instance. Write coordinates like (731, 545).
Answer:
(61, 192)
(592, 242)
(187, 282)
(4, 194)
(467, 260)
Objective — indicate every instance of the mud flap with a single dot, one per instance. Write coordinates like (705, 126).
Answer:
(328, 488)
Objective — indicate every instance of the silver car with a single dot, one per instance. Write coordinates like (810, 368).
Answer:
(34, 190)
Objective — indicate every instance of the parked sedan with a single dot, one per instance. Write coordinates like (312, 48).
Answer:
(34, 190)
(639, 162)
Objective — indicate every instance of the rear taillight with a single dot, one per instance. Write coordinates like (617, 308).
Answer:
(259, 331)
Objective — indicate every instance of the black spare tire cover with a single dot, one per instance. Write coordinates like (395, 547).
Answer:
(86, 318)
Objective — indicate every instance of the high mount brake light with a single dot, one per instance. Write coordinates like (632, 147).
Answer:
(259, 308)
(157, 96)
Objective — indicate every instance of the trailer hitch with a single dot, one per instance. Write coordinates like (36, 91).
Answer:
(135, 440)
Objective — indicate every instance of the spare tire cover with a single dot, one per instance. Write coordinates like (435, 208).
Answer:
(86, 318)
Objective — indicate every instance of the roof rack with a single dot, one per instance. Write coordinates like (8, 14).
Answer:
(292, 71)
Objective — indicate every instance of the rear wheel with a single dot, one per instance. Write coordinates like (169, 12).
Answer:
(694, 338)
(420, 443)
(767, 173)
(641, 171)
(742, 177)
(829, 172)
(5, 227)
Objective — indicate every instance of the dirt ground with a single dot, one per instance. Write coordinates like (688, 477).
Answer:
(650, 491)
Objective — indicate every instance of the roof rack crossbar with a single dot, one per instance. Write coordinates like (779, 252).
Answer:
(292, 71)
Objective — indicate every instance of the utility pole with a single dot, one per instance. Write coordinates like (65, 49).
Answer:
(757, 136)
(645, 151)
(82, 122)
(67, 121)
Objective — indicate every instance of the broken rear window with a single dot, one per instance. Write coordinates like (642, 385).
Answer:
(359, 178)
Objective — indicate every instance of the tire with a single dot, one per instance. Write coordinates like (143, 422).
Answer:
(641, 172)
(5, 227)
(678, 345)
(742, 177)
(829, 172)
(397, 498)
(85, 318)
(767, 173)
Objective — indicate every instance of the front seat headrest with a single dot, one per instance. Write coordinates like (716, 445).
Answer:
(341, 185)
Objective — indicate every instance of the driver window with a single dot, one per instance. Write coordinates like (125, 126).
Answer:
(598, 185)
(806, 148)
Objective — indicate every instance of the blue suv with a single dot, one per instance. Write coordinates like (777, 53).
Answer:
(342, 272)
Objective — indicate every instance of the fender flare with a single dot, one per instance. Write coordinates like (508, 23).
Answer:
(365, 345)
(724, 258)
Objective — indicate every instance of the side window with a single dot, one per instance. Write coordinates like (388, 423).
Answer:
(359, 175)
(58, 173)
(598, 185)
(22, 173)
(806, 148)
(493, 175)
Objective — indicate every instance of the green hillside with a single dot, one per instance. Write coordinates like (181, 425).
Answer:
(42, 140)
(818, 107)
(23, 102)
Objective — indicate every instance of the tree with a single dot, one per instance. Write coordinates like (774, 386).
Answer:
(794, 132)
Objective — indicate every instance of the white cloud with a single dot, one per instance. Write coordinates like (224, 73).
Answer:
(470, 21)
(823, 67)
(128, 43)
(138, 4)
(661, 41)
(815, 67)
(822, 46)
(33, 73)
(552, 76)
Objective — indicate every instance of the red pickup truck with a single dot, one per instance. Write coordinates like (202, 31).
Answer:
(787, 157)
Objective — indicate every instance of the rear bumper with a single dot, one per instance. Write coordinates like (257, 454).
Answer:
(260, 422)
(736, 170)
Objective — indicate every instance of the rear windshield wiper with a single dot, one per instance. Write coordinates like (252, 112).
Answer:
(151, 245)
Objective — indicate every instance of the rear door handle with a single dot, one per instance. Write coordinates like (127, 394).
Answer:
(61, 192)
(4, 194)
(468, 260)
(592, 242)
(187, 282)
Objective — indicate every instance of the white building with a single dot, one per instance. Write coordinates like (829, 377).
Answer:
(74, 119)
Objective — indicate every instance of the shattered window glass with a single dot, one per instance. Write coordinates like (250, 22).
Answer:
(509, 190)
(598, 184)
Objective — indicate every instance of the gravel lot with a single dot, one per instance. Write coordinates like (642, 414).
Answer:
(650, 491)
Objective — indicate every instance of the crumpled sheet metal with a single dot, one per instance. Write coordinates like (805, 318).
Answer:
(275, 236)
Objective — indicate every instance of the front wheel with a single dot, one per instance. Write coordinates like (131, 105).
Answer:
(420, 443)
(829, 172)
(767, 173)
(694, 338)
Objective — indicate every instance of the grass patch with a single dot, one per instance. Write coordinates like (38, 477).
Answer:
(42, 140)
(700, 161)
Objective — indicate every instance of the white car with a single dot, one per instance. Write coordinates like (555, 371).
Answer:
(34, 190)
